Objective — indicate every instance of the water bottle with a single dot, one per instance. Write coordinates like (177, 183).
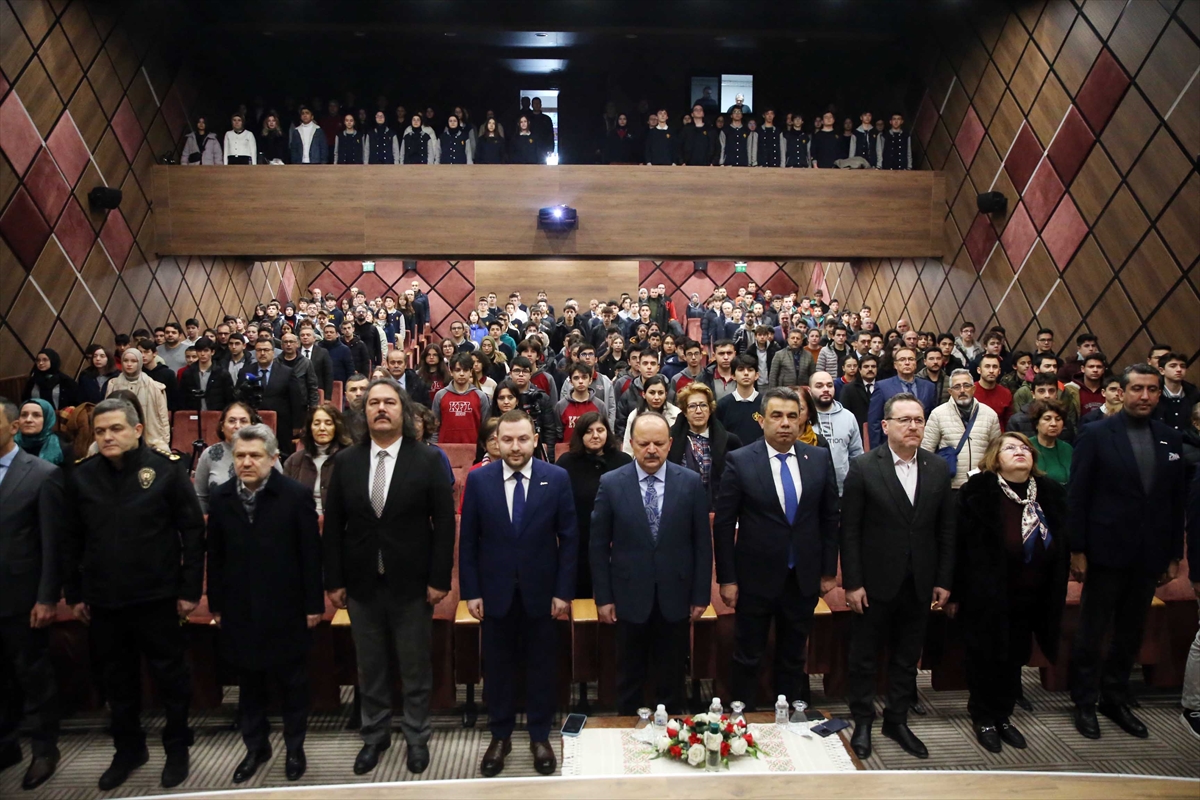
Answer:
(738, 709)
(660, 718)
(798, 715)
(712, 746)
(715, 708)
(781, 710)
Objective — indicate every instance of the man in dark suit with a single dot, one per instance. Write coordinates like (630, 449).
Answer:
(517, 552)
(264, 591)
(204, 385)
(408, 379)
(31, 520)
(322, 364)
(301, 367)
(897, 553)
(651, 557)
(856, 396)
(781, 498)
(905, 380)
(271, 386)
(1126, 496)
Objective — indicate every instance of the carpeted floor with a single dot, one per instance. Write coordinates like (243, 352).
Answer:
(1053, 746)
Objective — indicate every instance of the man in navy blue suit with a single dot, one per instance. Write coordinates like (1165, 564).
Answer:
(517, 551)
(905, 380)
(781, 498)
(1126, 497)
(651, 557)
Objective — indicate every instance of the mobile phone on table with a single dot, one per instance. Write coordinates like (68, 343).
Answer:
(573, 724)
(830, 726)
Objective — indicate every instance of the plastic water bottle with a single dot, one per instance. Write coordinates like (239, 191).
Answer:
(781, 711)
(712, 747)
(660, 718)
(715, 708)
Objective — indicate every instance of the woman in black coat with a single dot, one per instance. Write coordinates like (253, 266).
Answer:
(265, 591)
(47, 382)
(1010, 581)
(687, 445)
(594, 450)
(97, 371)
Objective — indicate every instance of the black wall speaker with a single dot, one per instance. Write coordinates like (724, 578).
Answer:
(410, 266)
(991, 203)
(701, 266)
(104, 197)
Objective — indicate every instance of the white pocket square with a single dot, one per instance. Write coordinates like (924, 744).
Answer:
(1172, 456)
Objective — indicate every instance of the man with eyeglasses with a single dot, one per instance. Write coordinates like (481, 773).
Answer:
(947, 428)
(897, 554)
(904, 381)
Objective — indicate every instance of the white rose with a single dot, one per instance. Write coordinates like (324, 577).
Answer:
(673, 728)
(662, 744)
(737, 746)
(700, 719)
(696, 755)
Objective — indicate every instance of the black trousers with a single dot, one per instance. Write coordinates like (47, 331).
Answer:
(792, 613)
(510, 642)
(654, 647)
(899, 625)
(291, 681)
(1116, 600)
(120, 637)
(994, 679)
(27, 685)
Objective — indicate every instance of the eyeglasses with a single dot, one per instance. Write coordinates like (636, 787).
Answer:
(1015, 448)
(908, 421)
(697, 406)
(958, 387)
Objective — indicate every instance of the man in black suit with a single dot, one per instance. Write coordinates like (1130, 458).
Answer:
(204, 385)
(408, 378)
(321, 362)
(264, 591)
(1126, 496)
(856, 396)
(31, 520)
(301, 367)
(271, 386)
(897, 553)
(781, 498)
(651, 557)
(389, 551)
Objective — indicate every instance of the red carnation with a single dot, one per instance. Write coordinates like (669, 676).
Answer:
(724, 749)
(729, 729)
(694, 739)
(749, 737)
(724, 717)
(675, 750)
(687, 722)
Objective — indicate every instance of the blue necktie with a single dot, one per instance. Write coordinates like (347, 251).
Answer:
(651, 500)
(790, 500)
(518, 509)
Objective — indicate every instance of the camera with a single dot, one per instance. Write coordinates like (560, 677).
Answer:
(250, 390)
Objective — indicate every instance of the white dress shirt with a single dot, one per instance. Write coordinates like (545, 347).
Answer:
(660, 485)
(510, 484)
(906, 472)
(793, 467)
(389, 466)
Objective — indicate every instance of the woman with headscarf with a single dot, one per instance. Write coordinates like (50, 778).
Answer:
(36, 434)
(48, 382)
(455, 143)
(95, 376)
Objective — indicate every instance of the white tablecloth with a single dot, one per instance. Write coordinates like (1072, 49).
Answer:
(619, 751)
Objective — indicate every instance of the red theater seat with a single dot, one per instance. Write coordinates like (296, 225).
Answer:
(185, 429)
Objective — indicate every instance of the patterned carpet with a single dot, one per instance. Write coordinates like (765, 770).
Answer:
(1053, 746)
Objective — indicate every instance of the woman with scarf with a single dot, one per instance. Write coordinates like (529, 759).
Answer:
(381, 143)
(36, 434)
(48, 382)
(808, 413)
(698, 441)
(95, 375)
(455, 143)
(1010, 581)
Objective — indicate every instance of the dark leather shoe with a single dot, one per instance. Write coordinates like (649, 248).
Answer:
(919, 709)
(544, 760)
(1086, 722)
(368, 757)
(245, 770)
(11, 756)
(40, 770)
(1126, 721)
(176, 770)
(1011, 736)
(418, 758)
(122, 764)
(860, 740)
(493, 758)
(903, 736)
(296, 765)
(989, 737)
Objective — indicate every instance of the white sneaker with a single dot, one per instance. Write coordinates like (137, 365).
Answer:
(1191, 720)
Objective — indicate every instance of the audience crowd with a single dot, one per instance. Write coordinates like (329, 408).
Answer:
(912, 468)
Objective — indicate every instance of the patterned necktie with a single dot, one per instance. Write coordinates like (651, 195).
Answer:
(379, 493)
(651, 501)
(790, 500)
(518, 503)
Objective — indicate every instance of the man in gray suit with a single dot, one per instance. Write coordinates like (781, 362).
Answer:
(31, 516)
(651, 556)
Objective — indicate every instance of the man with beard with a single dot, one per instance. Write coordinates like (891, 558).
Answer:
(838, 425)
(364, 329)
(963, 425)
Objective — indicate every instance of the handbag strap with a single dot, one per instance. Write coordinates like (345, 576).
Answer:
(967, 433)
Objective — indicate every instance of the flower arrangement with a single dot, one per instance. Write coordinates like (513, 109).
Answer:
(684, 739)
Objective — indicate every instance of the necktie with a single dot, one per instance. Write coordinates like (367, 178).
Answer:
(266, 376)
(379, 493)
(518, 504)
(790, 500)
(651, 501)
(308, 353)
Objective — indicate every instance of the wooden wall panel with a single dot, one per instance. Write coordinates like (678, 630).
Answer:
(561, 279)
(491, 211)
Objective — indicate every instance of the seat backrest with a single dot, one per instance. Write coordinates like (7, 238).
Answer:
(694, 329)
(269, 419)
(185, 429)
(461, 456)
(337, 394)
(210, 425)
(866, 438)
(560, 449)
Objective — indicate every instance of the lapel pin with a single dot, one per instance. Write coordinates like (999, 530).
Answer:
(544, 483)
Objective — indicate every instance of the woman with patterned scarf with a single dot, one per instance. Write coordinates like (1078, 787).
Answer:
(1010, 581)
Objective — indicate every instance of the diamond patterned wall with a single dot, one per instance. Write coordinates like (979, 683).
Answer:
(1086, 115)
(86, 100)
